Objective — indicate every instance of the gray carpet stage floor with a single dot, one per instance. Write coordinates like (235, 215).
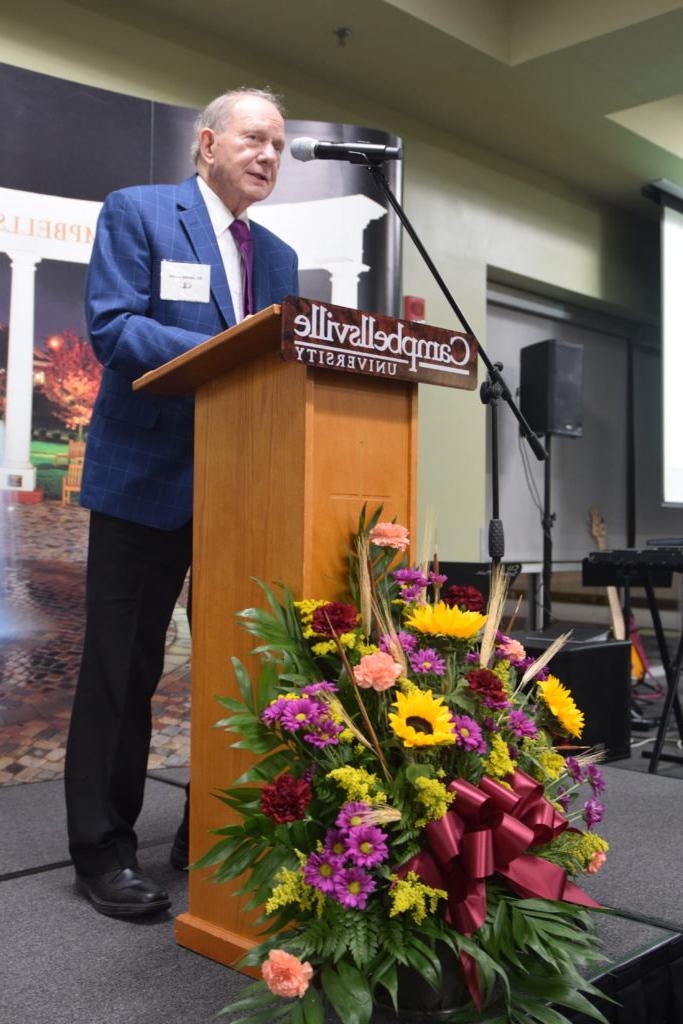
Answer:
(61, 963)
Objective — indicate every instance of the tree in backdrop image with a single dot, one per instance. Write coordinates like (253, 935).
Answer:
(72, 379)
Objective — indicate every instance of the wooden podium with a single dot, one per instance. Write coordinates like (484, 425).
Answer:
(285, 456)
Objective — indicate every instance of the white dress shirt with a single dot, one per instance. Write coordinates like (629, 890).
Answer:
(221, 218)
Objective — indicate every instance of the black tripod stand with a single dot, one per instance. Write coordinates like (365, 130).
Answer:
(492, 390)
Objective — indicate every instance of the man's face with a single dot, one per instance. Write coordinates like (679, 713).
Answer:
(241, 162)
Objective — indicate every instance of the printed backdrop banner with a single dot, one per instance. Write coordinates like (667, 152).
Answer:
(90, 142)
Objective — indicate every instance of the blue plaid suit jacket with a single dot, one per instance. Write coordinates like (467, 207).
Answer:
(138, 463)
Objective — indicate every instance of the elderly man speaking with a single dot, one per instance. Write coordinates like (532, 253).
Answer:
(172, 265)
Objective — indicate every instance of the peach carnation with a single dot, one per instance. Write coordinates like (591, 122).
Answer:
(285, 975)
(390, 535)
(512, 649)
(597, 860)
(377, 671)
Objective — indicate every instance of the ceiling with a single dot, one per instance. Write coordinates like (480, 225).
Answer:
(588, 92)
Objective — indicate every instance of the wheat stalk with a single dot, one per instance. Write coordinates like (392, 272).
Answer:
(544, 658)
(494, 613)
(359, 700)
(364, 583)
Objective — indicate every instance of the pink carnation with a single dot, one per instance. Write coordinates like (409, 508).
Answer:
(390, 535)
(598, 859)
(511, 648)
(376, 671)
(285, 975)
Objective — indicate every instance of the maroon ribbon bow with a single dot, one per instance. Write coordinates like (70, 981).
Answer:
(487, 831)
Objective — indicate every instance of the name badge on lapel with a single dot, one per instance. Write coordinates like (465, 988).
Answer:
(185, 282)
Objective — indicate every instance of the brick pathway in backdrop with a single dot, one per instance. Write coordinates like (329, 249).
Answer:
(42, 577)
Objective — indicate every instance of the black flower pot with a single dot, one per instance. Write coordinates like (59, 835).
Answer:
(419, 1003)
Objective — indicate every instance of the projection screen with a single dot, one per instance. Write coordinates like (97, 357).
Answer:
(672, 354)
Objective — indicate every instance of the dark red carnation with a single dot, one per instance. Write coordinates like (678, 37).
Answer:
(334, 617)
(487, 684)
(286, 799)
(468, 599)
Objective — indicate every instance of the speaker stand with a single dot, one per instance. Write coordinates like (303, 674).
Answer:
(547, 523)
(491, 392)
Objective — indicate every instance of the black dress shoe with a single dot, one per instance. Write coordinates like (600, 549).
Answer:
(125, 892)
(180, 851)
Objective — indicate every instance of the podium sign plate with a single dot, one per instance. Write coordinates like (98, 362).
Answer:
(324, 336)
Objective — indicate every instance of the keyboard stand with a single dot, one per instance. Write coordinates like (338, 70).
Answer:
(672, 671)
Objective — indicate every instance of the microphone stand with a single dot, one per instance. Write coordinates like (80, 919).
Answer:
(492, 390)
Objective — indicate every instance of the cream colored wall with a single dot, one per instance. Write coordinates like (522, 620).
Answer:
(476, 213)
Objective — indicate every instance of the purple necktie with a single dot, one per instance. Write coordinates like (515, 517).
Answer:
(242, 235)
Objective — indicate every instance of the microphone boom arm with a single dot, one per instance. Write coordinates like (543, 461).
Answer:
(495, 376)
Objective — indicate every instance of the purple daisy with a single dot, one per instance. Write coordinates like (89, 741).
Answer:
(593, 811)
(468, 734)
(407, 642)
(412, 593)
(521, 725)
(273, 713)
(427, 662)
(321, 871)
(437, 579)
(302, 713)
(353, 886)
(325, 734)
(574, 769)
(521, 664)
(596, 778)
(324, 687)
(335, 843)
(352, 815)
(367, 846)
(563, 798)
(410, 577)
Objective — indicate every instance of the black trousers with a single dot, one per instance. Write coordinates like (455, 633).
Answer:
(134, 576)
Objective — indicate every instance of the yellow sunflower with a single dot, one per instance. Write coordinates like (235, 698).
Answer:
(421, 719)
(440, 620)
(560, 703)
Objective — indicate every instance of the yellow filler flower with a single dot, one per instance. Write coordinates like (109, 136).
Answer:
(421, 719)
(560, 703)
(440, 620)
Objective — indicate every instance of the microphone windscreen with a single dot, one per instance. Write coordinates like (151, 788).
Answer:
(303, 148)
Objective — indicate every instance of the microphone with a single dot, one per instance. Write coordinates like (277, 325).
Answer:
(354, 152)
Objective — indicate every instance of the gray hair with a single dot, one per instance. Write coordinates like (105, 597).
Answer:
(217, 114)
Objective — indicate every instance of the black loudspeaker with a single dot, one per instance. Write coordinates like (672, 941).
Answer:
(598, 674)
(476, 574)
(551, 387)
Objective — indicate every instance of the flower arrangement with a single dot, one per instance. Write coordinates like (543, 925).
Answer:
(412, 810)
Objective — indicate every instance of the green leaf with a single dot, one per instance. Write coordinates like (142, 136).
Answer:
(312, 1007)
(266, 769)
(425, 961)
(264, 1016)
(252, 996)
(388, 979)
(544, 1014)
(348, 991)
(257, 743)
(298, 1013)
(267, 683)
(244, 682)
(419, 771)
(238, 861)
(217, 854)
(231, 703)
